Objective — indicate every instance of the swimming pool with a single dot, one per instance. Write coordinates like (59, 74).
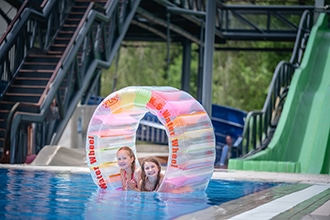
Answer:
(27, 194)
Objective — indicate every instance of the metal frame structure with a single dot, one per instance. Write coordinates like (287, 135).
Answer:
(97, 39)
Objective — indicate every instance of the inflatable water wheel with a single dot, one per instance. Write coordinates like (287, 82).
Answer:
(189, 129)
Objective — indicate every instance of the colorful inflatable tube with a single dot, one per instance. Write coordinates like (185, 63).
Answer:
(190, 133)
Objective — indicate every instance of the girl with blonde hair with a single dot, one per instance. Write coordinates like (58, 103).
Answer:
(130, 176)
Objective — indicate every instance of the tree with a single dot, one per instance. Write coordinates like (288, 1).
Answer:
(240, 78)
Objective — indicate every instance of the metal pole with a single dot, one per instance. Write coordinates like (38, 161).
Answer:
(208, 56)
(185, 80)
(319, 7)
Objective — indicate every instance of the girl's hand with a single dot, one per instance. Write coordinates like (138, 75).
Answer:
(131, 185)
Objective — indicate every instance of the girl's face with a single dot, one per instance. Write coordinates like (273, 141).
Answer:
(151, 169)
(124, 159)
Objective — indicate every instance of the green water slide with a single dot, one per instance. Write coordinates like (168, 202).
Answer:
(301, 142)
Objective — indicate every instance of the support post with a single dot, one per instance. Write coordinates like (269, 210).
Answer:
(186, 70)
(319, 7)
(208, 56)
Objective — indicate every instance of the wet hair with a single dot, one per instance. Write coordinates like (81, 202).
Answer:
(130, 153)
(144, 176)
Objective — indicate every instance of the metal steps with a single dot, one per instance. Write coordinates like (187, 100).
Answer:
(37, 71)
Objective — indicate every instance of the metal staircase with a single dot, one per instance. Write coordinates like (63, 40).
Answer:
(60, 66)
(31, 83)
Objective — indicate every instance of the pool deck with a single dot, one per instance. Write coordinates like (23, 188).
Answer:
(307, 198)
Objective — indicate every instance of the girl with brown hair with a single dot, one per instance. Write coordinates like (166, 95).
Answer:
(151, 176)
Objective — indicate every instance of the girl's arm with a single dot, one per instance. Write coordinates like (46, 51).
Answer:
(122, 177)
(140, 184)
(137, 175)
(134, 183)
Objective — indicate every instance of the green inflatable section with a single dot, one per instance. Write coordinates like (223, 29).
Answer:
(301, 142)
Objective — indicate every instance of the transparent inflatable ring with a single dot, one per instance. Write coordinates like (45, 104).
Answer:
(189, 129)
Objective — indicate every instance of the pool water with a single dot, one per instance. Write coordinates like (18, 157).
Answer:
(27, 194)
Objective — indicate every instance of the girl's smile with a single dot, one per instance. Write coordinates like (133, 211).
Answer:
(151, 169)
(124, 160)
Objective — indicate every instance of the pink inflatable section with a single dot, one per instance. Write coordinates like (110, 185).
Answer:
(188, 126)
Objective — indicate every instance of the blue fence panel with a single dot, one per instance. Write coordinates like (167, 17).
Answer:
(151, 130)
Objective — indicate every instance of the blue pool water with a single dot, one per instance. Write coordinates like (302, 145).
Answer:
(29, 194)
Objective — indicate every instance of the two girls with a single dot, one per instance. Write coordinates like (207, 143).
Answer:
(148, 178)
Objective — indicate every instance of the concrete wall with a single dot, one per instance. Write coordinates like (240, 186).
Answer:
(74, 135)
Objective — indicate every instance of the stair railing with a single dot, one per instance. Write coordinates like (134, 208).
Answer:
(259, 124)
(93, 47)
(27, 31)
(5, 155)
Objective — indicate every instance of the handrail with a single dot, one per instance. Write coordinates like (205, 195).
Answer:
(26, 5)
(302, 37)
(68, 67)
(44, 2)
(258, 127)
(29, 21)
(11, 25)
(234, 124)
(14, 47)
(5, 153)
(227, 14)
(72, 44)
(85, 23)
(65, 53)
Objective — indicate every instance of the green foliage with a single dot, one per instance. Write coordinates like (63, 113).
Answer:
(240, 78)
(141, 64)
